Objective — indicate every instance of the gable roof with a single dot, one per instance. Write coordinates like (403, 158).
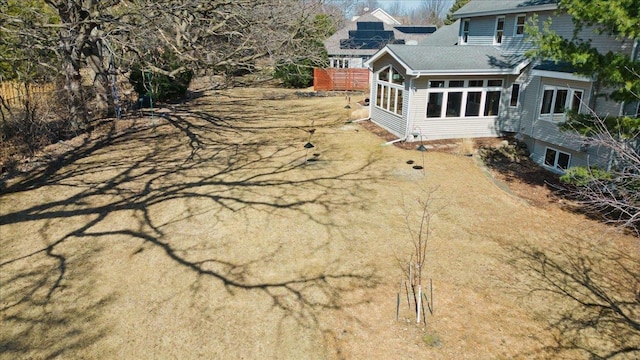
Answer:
(438, 60)
(333, 43)
(385, 17)
(499, 7)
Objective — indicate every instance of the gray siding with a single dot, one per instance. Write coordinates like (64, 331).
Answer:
(606, 107)
(510, 116)
(393, 123)
(581, 157)
(547, 130)
(528, 100)
(482, 30)
(451, 128)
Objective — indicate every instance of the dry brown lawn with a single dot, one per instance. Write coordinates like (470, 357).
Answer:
(204, 233)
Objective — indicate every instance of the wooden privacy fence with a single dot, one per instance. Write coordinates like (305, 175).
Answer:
(14, 94)
(340, 79)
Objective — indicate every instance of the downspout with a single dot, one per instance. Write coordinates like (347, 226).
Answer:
(633, 56)
(411, 87)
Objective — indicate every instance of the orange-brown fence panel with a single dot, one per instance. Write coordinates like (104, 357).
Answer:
(340, 79)
(15, 94)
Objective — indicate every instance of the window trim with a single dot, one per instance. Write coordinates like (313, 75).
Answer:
(446, 90)
(385, 102)
(555, 165)
(516, 25)
(552, 115)
(517, 95)
(340, 63)
(495, 30)
(464, 34)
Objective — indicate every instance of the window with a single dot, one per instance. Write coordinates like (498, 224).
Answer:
(384, 75)
(520, 21)
(576, 100)
(474, 99)
(465, 31)
(497, 38)
(492, 104)
(515, 95)
(557, 100)
(631, 109)
(557, 159)
(390, 90)
(396, 77)
(463, 98)
(434, 105)
(454, 104)
(339, 63)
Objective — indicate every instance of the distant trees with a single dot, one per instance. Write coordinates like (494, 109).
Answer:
(297, 72)
(455, 7)
(70, 36)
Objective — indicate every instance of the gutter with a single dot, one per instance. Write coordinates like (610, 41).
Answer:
(519, 10)
(514, 71)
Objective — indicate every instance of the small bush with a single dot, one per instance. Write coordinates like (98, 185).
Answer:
(466, 147)
(583, 176)
(295, 75)
(159, 86)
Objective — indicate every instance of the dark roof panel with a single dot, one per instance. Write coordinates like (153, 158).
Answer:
(370, 25)
(416, 29)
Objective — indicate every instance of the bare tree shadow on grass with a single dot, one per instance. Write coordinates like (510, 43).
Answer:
(191, 157)
(593, 296)
(44, 309)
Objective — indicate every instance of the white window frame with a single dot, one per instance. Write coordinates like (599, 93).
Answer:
(568, 105)
(465, 90)
(517, 95)
(395, 105)
(340, 63)
(516, 25)
(464, 34)
(555, 166)
(495, 32)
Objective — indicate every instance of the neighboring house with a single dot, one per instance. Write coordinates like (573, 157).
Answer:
(471, 79)
(362, 37)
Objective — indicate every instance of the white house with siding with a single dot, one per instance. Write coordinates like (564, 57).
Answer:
(471, 79)
(364, 35)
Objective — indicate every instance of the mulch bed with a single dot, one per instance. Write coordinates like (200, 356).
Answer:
(523, 177)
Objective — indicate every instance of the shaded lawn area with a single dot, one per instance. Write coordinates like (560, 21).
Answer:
(209, 235)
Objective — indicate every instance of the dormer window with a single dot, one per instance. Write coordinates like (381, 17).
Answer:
(497, 38)
(464, 37)
(520, 21)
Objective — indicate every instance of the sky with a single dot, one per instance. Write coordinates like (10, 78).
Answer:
(406, 4)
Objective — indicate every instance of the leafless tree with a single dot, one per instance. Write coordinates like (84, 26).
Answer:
(218, 35)
(616, 197)
(364, 6)
(396, 9)
(432, 12)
